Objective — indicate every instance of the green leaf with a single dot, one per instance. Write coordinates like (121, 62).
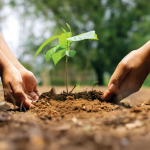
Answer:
(95, 83)
(64, 30)
(83, 36)
(45, 43)
(70, 53)
(50, 52)
(95, 37)
(58, 55)
(63, 40)
(68, 26)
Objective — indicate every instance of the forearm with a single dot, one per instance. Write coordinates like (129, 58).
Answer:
(145, 53)
(4, 62)
(8, 53)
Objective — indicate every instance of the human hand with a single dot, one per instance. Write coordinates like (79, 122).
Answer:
(30, 83)
(129, 74)
(13, 85)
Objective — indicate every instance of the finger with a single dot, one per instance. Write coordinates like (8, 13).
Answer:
(36, 90)
(33, 95)
(116, 80)
(27, 103)
(29, 97)
(107, 95)
(18, 91)
(8, 94)
(118, 76)
(128, 87)
(7, 91)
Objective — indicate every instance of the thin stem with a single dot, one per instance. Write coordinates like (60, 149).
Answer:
(72, 89)
(66, 75)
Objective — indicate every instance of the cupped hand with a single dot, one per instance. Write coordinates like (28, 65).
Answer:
(129, 75)
(30, 83)
(13, 86)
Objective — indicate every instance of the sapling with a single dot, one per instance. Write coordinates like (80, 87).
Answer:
(63, 48)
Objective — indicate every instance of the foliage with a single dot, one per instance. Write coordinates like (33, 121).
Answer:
(63, 48)
(123, 26)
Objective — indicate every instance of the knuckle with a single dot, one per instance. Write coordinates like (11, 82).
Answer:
(17, 81)
(116, 80)
(30, 73)
(20, 82)
(18, 92)
(124, 65)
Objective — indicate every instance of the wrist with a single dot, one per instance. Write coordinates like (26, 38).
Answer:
(145, 49)
(4, 62)
(18, 65)
(145, 53)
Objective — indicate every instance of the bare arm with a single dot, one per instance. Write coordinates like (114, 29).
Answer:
(8, 53)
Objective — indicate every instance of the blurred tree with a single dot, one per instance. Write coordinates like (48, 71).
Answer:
(121, 26)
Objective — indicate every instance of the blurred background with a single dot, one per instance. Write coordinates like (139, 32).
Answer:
(121, 26)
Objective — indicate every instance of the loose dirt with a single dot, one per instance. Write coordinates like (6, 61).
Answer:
(77, 121)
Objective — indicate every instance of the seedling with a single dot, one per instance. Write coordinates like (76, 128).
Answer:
(63, 48)
(95, 83)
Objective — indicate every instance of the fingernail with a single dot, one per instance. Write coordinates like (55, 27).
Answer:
(36, 97)
(23, 99)
(107, 96)
(27, 103)
(112, 88)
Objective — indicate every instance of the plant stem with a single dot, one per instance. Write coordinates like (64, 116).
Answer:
(72, 89)
(66, 74)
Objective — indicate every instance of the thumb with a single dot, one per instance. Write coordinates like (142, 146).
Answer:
(116, 80)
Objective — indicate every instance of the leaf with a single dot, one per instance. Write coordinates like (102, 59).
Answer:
(95, 83)
(68, 26)
(58, 55)
(95, 37)
(83, 36)
(64, 30)
(63, 40)
(70, 53)
(45, 43)
(50, 52)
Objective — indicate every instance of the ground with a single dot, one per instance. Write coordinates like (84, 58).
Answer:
(79, 122)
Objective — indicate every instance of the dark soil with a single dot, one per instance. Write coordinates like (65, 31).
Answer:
(79, 121)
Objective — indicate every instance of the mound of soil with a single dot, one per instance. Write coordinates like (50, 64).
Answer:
(50, 104)
(76, 121)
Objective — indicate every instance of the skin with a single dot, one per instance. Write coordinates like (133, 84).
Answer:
(129, 75)
(17, 80)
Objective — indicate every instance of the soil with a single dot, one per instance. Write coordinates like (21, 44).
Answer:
(77, 121)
